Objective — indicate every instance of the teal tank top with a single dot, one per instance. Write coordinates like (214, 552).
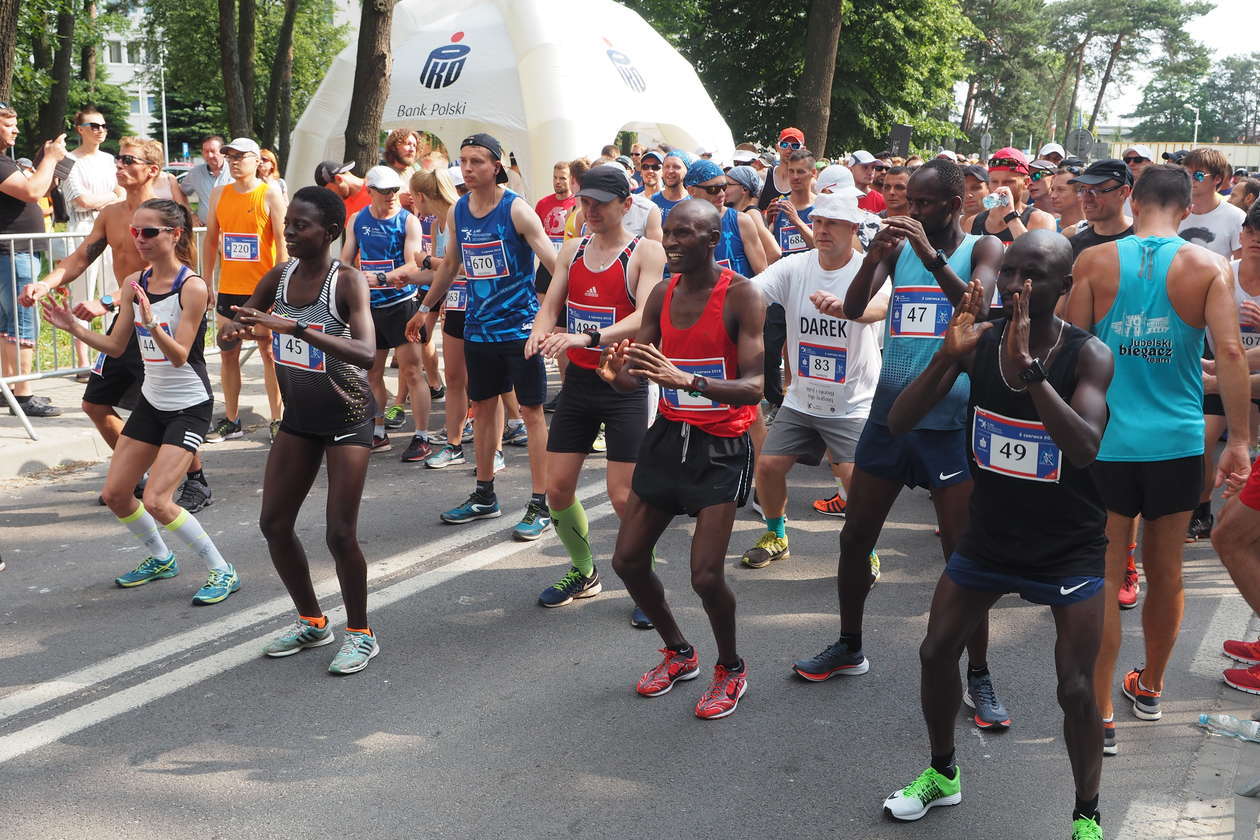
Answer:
(1156, 394)
(914, 330)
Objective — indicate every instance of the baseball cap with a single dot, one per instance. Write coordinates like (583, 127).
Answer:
(861, 157)
(1052, 149)
(1175, 157)
(652, 153)
(383, 178)
(948, 155)
(492, 146)
(624, 160)
(1241, 172)
(1004, 157)
(605, 183)
(791, 133)
(839, 206)
(327, 171)
(457, 174)
(1099, 171)
(744, 156)
(700, 171)
(1141, 151)
(747, 178)
(977, 171)
(245, 146)
(839, 180)
(1044, 165)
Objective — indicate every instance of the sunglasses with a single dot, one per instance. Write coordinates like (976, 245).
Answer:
(1132, 159)
(149, 232)
(1039, 174)
(95, 126)
(789, 144)
(636, 154)
(1075, 170)
(1008, 163)
(132, 160)
(386, 190)
(1199, 175)
(712, 189)
(651, 167)
(1094, 192)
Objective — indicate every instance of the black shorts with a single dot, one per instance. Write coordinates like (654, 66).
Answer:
(391, 323)
(1150, 488)
(185, 428)
(223, 305)
(682, 469)
(542, 280)
(360, 435)
(453, 323)
(585, 402)
(1213, 407)
(496, 367)
(774, 336)
(117, 381)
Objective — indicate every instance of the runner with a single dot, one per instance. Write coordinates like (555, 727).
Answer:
(862, 164)
(698, 457)
(1052, 152)
(1040, 182)
(246, 229)
(339, 178)
(1037, 521)
(926, 256)
(323, 348)
(1065, 199)
(384, 239)
(777, 183)
(1245, 193)
(977, 181)
(603, 307)
(788, 217)
(673, 170)
(116, 381)
(1008, 179)
(836, 362)
(402, 150)
(553, 210)
(896, 179)
(1213, 222)
(650, 165)
(167, 303)
(742, 189)
(202, 180)
(1149, 297)
(1104, 189)
(740, 249)
(1138, 158)
(495, 231)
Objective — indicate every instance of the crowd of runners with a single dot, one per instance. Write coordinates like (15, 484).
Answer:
(1058, 352)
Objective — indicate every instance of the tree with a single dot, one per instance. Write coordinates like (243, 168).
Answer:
(52, 114)
(372, 67)
(231, 41)
(279, 86)
(1178, 81)
(8, 23)
(1232, 101)
(813, 97)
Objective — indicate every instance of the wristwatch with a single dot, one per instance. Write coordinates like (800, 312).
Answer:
(381, 279)
(938, 263)
(108, 302)
(1010, 217)
(1033, 373)
(425, 308)
(427, 263)
(299, 327)
(698, 385)
(593, 334)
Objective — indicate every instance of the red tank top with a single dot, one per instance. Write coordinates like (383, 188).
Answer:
(704, 348)
(597, 300)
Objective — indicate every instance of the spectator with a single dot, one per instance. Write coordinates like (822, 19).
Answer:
(1244, 193)
(269, 171)
(204, 177)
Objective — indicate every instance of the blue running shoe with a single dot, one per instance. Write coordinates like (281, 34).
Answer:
(639, 619)
(151, 569)
(499, 464)
(357, 650)
(534, 523)
(515, 433)
(218, 586)
(474, 508)
(298, 637)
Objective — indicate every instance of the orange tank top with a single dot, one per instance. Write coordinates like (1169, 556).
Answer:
(249, 245)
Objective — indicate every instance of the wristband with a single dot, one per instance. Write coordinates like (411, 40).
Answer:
(425, 308)
(427, 263)
(593, 336)
(1010, 217)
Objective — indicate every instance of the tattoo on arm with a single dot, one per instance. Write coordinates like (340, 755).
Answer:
(95, 248)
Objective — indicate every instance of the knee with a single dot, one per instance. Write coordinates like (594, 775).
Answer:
(157, 505)
(118, 499)
(274, 526)
(627, 566)
(706, 583)
(264, 350)
(936, 651)
(1076, 692)
(342, 540)
(855, 543)
(96, 412)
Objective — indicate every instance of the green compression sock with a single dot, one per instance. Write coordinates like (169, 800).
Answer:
(574, 532)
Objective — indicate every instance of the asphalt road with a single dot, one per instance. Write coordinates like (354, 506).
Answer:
(132, 714)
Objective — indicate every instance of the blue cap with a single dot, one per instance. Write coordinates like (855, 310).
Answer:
(700, 171)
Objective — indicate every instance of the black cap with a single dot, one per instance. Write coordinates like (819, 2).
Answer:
(492, 146)
(1104, 170)
(1072, 160)
(605, 183)
(1175, 157)
(977, 171)
(1241, 172)
(328, 170)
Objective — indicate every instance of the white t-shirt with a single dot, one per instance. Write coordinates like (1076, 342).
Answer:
(1219, 230)
(1250, 334)
(93, 174)
(835, 361)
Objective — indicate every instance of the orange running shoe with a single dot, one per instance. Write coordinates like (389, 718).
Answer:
(1129, 589)
(673, 668)
(831, 507)
(1145, 701)
(1247, 653)
(723, 695)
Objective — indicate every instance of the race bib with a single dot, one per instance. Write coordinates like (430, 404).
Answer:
(457, 296)
(1250, 336)
(1017, 448)
(919, 312)
(683, 400)
(818, 361)
(99, 367)
(374, 266)
(241, 247)
(485, 260)
(149, 350)
(294, 351)
(557, 241)
(582, 318)
(791, 239)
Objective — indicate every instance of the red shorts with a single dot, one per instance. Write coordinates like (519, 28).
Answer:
(1250, 495)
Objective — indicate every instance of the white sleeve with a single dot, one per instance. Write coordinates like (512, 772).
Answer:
(773, 282)
(73, 186)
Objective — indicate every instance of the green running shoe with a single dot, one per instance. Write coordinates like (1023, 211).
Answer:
(357, 650)
(874, 568)
(298, 637)
(1086, 829)
(151, 569)
(218, 586)
(766, 550)
(395, 417)
(914, 800)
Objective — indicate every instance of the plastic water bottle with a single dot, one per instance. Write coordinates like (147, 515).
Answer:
(1228, 725)
(993, 200)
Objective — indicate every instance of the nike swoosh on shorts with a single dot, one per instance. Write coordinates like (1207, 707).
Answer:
(343, 437)
(943, 477)
(1063, 590)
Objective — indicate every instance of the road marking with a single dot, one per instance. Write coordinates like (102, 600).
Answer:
(115, 666)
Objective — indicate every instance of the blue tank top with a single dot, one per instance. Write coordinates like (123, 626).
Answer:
(499, 265)
(1156, 394)
(381, 243)
(914, 330)
(730, 250)
(789, 235)
(666, 205)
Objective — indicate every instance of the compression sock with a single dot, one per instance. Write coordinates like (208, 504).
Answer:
(485, 489)
(1086, 809)
(145, 527)
(539, 499)
(196, 475)
(944, 764)
(777, 524)
(320, 622)
(574, 532)
(187, 528)
(853, 641)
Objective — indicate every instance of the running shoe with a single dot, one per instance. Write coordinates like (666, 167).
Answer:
(357, 650)
(768, 548)
(151, 568)
(1109, 738)
(724, 692)
(599, 444)
(438, 393)
(225, 429)
(218, 586)
(138, 491)
(1247, 653)
(1200, 527)
(380, 443)
(1244, 679)
(835, 659)
(274, 429)
(874, 561)
(298, 637)
(928, 791)
(439, 438)
(516, 434)
(573, 585)
(38, 407)
(395, 417)
(673, 668)
(1145, 701)
(466, 436)
(474, 507)
(193, 495)
(1129, 588)
(445, 457)
(1, 564)
(499, 463)
(533, 524)
(416, 451)
(980, 696)
(639, 619)
(1084, 828)
(833, 506)
(756, 504)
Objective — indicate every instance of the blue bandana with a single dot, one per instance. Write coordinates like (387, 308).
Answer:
(700, 171)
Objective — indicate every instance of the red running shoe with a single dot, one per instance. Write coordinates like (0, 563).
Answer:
(673, 668)
(723, 695)
(1247, 653)
(1244, 679)
(1145, 701)
(830, 507)
(1129, 589)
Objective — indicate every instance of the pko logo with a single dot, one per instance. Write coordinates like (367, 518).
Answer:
(444, 64)
(629, 73)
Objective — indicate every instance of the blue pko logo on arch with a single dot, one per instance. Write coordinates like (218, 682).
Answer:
(445, 64)
(626, 69)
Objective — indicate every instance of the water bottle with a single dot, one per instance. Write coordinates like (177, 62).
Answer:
(993, 200)
(1245, 730)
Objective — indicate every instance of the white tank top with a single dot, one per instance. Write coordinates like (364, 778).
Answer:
(167, 387)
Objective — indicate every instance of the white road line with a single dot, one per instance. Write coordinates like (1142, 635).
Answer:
(114, 666)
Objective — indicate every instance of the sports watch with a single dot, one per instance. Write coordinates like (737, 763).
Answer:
(1010, 217)
(381, 279)
(593, 334)
(299, 327)
(938, 263)
(698, 385)
(108, 302)
(1033, 373)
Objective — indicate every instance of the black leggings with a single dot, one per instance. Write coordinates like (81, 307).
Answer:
(774, 334)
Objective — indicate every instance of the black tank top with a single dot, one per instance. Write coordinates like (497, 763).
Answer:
(977, 225)
(323, 395)
(1032, 512)
(1088, 238)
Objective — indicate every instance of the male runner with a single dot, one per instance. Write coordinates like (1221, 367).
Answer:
(788, 217)
(1040, 181)
(926, 256)
(697, 458)
(553, 210)
(200, 182)
(1149, 297)
(1104, 189)
(1245, 193)
(673, 170)
(245, 230)
(1065, 199)
(740, 249)
(402, 148)
(494, 231)
(651, 162)
(601, 284)
(977, 181)
(340, 179)
(777, 184)
(862, 164)
(896, 179)
(116, 381)
(1052, 152)
(1008, 177)
(1037, 410)
(1213, 222)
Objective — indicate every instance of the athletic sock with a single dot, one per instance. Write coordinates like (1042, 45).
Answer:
(196, 475)
(145, 527)
(778, 525)
(367, 630)
(574, 532)
(682, 650)
(485, 489)
(321, 622)
(844, 497)
(187, 528)
(424, 436)
(539, 499)
(853, 641)
(737, 668)
(944, 764)
(1086, 809)
(378, 430)
(980, 670)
